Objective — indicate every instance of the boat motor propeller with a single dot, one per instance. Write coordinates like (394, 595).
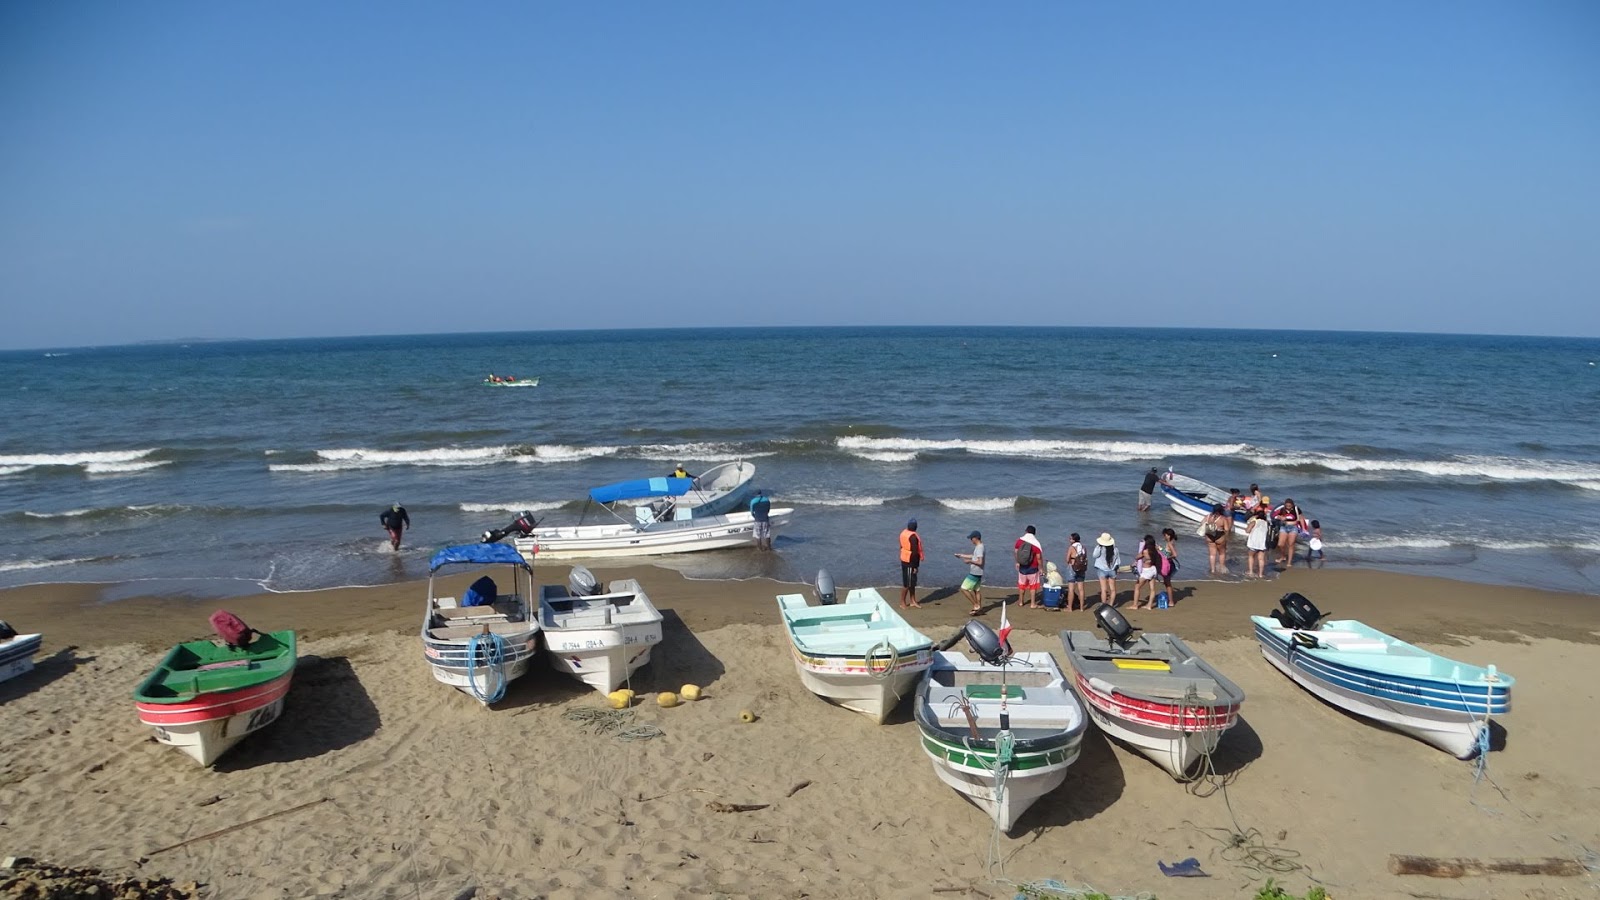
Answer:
(984, 642)
(523, 524)
(826, 594)
(1116, 626)
(582, 583)
(1298, 613)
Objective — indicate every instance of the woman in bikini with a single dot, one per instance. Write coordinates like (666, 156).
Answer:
(1216, 527)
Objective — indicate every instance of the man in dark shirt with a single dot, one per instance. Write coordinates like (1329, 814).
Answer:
(761, 512)
(1148, 489)
(395, 521)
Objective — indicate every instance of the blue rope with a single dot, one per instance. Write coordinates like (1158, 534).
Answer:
(494, 660)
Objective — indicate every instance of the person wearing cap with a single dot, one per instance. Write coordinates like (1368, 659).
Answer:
(761, 515)
(1148, 488)
(395, 521)
(1106, 561)
(1029, 562)
(972, 585)
(911, 553)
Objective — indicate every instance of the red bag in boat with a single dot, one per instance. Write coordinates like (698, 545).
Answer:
(232, 629)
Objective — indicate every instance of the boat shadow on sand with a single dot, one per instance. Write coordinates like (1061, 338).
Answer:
(1093, 784)
(57, 665)
(679, 659)
(326, 709)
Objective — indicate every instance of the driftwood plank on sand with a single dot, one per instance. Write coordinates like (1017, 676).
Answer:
(1458, 867)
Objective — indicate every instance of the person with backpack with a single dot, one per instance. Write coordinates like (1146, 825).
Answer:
(395, 521)
(1255, 540)
(1029, 555)
(1106, 561)
(1148, 565)
(1077, 568)
(911, 553)
(1169, 562)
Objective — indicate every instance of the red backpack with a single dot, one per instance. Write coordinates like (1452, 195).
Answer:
(232, 629)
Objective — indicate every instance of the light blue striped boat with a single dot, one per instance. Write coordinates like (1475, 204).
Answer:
(1363, 671)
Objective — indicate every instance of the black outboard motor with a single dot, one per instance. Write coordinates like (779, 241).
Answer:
(522, 525)
(1118, 631)
(826, 595)
(582, 583)
(1298, 613)
(6, 631)
(985, 643)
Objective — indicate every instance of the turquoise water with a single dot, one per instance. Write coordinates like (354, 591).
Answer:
(218, 468)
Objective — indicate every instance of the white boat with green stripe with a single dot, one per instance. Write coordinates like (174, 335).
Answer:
(1003, 734)
(859, 654)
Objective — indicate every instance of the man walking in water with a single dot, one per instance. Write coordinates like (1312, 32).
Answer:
(910, 560)
(395, 521)
(761, 514)
(1148, 489)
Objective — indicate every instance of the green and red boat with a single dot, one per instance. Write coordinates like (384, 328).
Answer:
(205, 697)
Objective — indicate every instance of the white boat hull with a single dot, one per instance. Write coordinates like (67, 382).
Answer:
(1020, 791)
(1173, 750)
(482, 680)
(1454, 733)
(873, 697)
(16, 655)
(602, 658)
(206, 741)
(622, 539)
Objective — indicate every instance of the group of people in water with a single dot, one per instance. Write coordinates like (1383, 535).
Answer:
(500, 379)
(1267, 528)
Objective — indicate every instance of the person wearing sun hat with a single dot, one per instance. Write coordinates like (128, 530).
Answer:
(1106, 561)
(911, 553)
(972, 585)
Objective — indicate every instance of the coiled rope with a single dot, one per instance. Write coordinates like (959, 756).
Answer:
(494, 650)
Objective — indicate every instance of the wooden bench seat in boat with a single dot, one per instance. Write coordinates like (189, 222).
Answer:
(462, 632)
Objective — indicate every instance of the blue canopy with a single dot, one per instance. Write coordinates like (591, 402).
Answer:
(641, 487)
(476, 554)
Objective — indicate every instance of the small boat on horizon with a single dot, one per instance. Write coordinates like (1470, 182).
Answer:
(860, 654)
(1363, 671)
(204, 697)
(598, 636)
(510, 381)
(1152, 693)
(484, 640)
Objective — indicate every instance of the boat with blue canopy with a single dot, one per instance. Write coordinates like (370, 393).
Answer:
(484, 638)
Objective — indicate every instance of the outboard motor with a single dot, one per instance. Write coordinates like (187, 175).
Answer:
(1114, 624)
(582, 583)
(6, 631)
(523, 525)
(1298, 613)
(985, 643)
(826, 595)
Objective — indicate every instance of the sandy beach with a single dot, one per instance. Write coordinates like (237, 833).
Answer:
(390, 784)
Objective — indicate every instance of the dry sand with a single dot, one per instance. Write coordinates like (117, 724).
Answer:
(417, 792)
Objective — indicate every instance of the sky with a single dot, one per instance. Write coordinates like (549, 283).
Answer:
(295, 169)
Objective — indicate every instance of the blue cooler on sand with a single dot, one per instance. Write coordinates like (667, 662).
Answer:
(1052, 597)
(1161, 600)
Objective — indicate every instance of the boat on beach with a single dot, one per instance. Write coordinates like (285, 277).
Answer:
(1001, 729)
(17, 652)
(484, 640)
(598, 636)
(1151, 692)
(859, 654)
(1440, 701)
(204, 697)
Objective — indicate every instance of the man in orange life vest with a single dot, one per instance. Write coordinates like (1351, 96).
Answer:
(911, 553)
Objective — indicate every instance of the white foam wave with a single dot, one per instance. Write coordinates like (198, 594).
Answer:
(1412, 542)
(978, 503)
(831, 498)
(555, 453)
(89, 460)
(528, 506)
(1389, 543)
(1475, 468)
(1034, 448)
(348, 458)
(888, 456)
(124, 468)
(24, 564)
(66, 514)
(698, 452)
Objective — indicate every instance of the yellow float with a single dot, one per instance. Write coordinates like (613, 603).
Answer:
(666, 699)
(746, 716)
(690, 692)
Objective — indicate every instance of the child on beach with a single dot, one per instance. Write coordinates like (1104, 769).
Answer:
(1314, 546)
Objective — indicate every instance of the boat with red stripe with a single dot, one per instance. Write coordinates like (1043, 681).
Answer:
(206, 696)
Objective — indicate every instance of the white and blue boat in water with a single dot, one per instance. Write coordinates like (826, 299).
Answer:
(485, 639)
(1195, 499)
(1365, 672)
(720, 489)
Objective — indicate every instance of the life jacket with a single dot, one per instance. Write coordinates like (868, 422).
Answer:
(906, 553)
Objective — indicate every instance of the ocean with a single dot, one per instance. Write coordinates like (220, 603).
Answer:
(212, 469)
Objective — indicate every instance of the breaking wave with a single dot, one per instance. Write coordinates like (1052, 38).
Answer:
(904, 449)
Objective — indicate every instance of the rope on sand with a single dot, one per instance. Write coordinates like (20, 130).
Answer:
(618, 723)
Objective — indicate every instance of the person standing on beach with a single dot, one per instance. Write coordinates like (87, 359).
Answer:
(1106, 561)
(1214, 528)
(972, 585)
(761, 514)
(911, 553)
(1029, 557)
(395, 521)
(1077, 567)
(1148, 489)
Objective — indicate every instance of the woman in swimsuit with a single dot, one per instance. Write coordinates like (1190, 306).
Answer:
(1217, 525)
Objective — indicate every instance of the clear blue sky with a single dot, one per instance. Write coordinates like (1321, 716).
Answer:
(295, 168)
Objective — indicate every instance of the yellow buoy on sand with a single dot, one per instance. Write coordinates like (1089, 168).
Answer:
(620, 699)
(667, 699)
(746, 716)
(690, 692)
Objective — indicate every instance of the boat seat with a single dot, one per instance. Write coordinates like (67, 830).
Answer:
(463, 632)
(1362, 644)
(498, 610)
